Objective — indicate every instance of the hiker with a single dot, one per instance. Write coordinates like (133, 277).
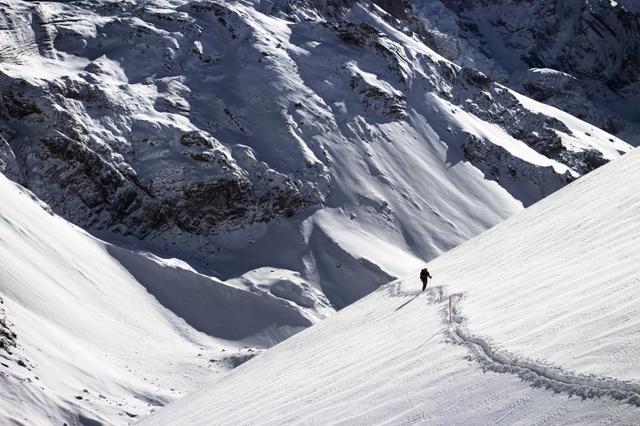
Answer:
(424, 277)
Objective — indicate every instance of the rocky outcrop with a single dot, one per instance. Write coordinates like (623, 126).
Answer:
(376, 96)
(12, 358)
(516, 176)
(364, 36)
(7, 336)
(334, 10)
(570, 94)
(533, 30)
(495, 104)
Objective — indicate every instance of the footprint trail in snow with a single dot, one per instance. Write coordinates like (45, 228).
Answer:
(537, 372)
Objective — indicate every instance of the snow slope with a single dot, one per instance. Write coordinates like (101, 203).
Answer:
(95, 334)
(546, 329)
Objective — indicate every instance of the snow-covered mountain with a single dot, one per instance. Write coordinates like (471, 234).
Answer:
(194, 129)
(544, 328)
(582, 56)
(294, 155)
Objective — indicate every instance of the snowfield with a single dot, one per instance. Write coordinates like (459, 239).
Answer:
(545, 329)
(103, 334)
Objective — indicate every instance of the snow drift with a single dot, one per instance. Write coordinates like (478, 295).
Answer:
(545, 327)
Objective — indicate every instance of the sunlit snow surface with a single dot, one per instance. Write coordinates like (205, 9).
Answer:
(546, 329)
(106, 334)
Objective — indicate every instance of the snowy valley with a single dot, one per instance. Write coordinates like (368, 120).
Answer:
(189, 183)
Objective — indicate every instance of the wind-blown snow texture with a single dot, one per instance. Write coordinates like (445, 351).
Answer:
(545, 329)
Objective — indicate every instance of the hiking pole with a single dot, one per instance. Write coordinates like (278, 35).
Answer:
(449, 309)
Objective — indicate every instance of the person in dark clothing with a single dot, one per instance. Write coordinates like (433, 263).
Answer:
(424, 277)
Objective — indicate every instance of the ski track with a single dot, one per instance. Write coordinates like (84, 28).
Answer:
(536, 372)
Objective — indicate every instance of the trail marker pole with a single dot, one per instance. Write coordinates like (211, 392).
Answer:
(449, 309)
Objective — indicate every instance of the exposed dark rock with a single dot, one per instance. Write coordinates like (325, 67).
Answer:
(364, 36)
(200, 139)
(474, 77)
(8, 339)
(540, 132)
(514, 174)
(396, 8)
(88, 143)
(16, 106)
(585, 41)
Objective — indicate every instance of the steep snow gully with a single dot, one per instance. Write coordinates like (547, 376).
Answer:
(545, 329)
